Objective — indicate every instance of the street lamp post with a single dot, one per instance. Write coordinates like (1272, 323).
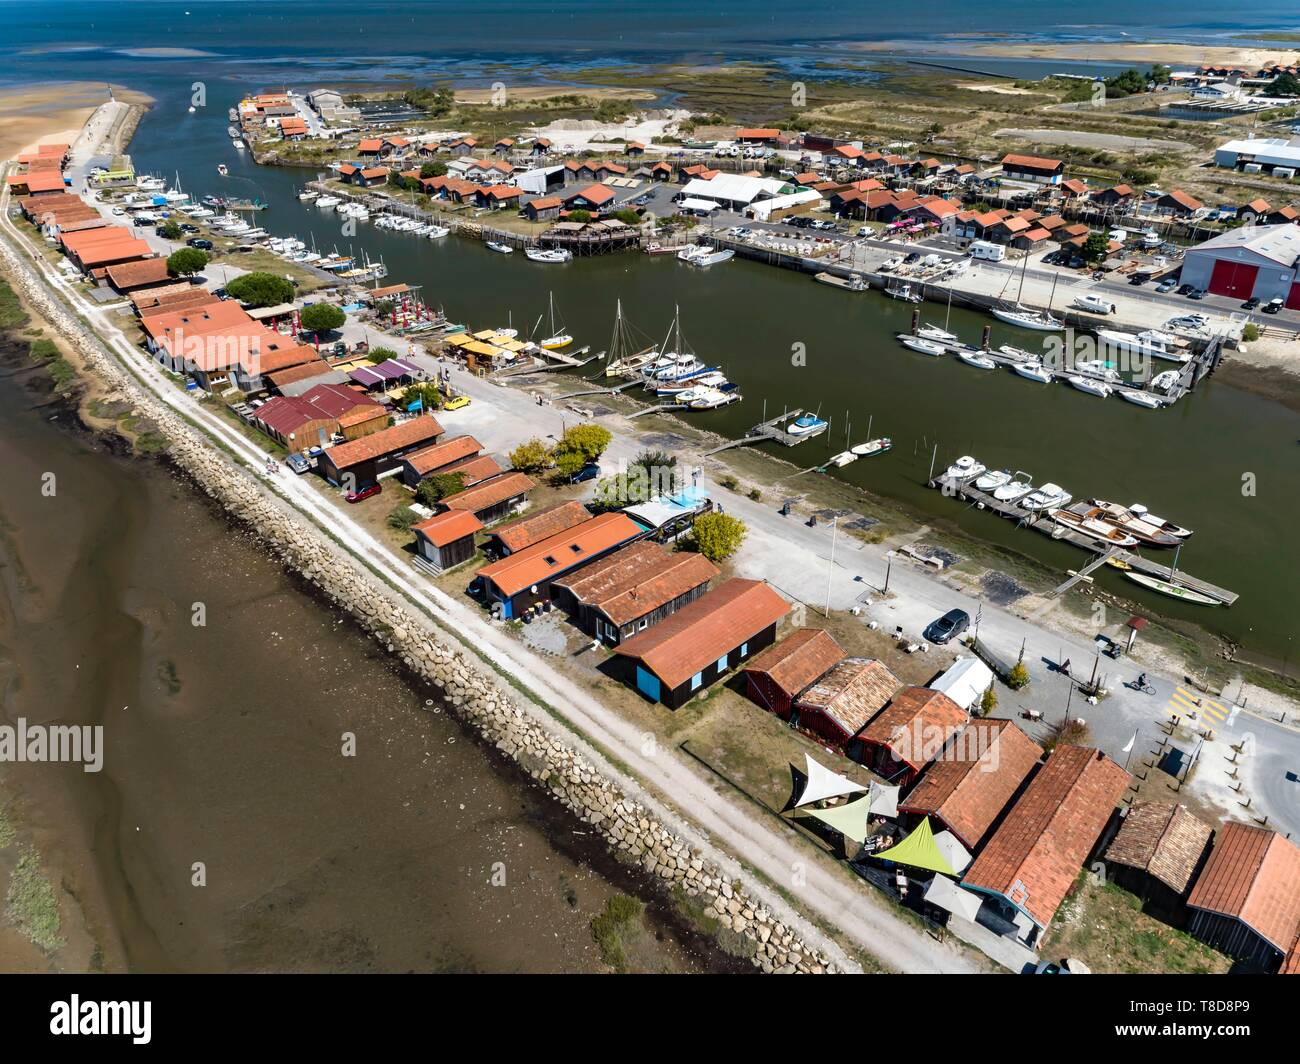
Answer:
(889, 562)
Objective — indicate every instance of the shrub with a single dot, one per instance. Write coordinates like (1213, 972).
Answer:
(717, 535)
(989, 702)
(1250, 333)
(185, 262)
(531, 456)
(434, 489)
(1018, 677)
(321, 317)
(402, 518)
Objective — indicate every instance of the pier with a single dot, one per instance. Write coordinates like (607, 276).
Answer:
(770, 430)
(1041, 523)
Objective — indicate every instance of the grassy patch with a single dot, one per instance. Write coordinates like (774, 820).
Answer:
(1104, 926)
(32, 907)
(615, 929)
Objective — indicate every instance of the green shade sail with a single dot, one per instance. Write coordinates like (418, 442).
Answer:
(919, 851)
(850, 819)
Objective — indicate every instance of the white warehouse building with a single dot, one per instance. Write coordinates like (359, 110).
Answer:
(1257, 261)
(1268, 153)
(733, 191)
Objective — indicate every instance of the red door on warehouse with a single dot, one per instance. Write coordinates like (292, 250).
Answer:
(1235, 279)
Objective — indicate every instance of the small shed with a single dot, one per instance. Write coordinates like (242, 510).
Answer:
(447, 539)
(845, 699)
(1158, 851)
(776, 677)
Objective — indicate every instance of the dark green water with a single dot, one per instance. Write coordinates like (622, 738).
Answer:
(1186, 463)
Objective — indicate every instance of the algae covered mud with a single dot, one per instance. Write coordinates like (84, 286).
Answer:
(227, 831)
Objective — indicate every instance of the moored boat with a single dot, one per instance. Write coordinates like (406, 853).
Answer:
(1034, 371)
(993, 478)
(1140, 511)
(1090, 386)
(972, 357)
(1020, 485)
(547, 254)
(806, 425)
(873, 447)
(926, 347)
(1140, 398)
(500, 248)
(905, 293)
(933, 332)
(1122, 517)
(1086, 520)
(1178, 591)
(852, 283)
(1049, 497)
(964, 468)
(1028, 319)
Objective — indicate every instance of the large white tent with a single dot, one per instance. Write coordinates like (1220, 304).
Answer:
(823, 783)
(944, 893)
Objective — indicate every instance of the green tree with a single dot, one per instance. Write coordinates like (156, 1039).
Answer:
(580, 445)
(717, 535)
(402, 518)
(531, 456)
(261, 289)
(377, 355)
(1283, 85)
(434, 169)
(425, 392)
(321, 317)
(1096, 247)
(580, 216)
(1018, 677)
(186, 262)
(988, 701)
(172, 230)
(1159, 74)
(434, 489)
(628, 216)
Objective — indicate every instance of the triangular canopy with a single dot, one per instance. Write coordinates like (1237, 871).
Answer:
(850, 820)
(884, 800)
(823, 783)
(919, 851)
(953, 851)
(944, 893)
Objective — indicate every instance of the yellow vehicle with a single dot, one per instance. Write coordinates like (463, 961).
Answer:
(456, 402)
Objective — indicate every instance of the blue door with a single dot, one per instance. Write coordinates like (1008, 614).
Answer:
(647, 683)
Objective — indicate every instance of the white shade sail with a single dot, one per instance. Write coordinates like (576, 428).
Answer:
(944, 893)
(884, 800)
(953, 851)
(823, 783)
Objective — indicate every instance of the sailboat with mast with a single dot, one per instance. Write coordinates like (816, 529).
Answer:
(623, 359)
(1024, 318)
(558, 338)
(675, 361)
(936, 334)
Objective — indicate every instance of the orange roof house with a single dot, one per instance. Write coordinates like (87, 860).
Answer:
(508, 538)
(909, 733)
(492, 499)
(367, 457)
(844, 699)
(777, 676)
(1034, 857)
(969, 786)
(447, 539)
(1246, 902)
(701, 642)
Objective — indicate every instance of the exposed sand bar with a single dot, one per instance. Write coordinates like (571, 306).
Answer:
(1182, 55)
(535, 93)
(52, 112)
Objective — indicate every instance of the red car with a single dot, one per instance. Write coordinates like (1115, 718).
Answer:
(363, 493)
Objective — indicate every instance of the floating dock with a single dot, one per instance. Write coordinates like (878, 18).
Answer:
(960, 489)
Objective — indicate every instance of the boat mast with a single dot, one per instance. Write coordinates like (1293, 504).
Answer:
(1024, 266)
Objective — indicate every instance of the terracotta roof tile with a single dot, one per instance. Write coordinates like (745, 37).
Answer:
(447, 527)
(444, 452)
(535, 527)
(637, 579)
(559, 553)
(852, 692)
(914, 726)
(698, 634)
(799, 659)
(1163, 839)
(394, 438)
(490, 492)
(1252, 875)
(1035, 856)
(970, 785)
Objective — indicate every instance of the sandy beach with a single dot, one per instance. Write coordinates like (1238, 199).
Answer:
(1182, 55)
(52, 113)
(548, 92)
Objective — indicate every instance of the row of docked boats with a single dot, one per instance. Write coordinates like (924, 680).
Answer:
(1100, 522)
(532, 254)
(678, 376)
(1096, 377)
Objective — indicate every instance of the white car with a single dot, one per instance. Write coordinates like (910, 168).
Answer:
(891, 264)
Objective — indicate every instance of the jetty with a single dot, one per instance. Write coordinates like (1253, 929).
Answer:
(770, 430)
(960, 489)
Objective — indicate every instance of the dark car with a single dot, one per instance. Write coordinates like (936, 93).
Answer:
(1251, 303)
(948, 627)
(363, 493)
(297, 463)
(1196, 293)
(187, 228)
(1138, 278)
(915, 256)
(588, 472)
(1184, 290)
(200, 243)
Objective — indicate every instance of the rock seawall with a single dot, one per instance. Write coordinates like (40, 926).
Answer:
(635, 830)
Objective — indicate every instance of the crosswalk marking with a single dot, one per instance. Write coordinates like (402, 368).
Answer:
(1185, 703)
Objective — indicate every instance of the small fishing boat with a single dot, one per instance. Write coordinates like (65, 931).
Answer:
(1118, 563)
(1020, 485)
(327, 201)
(964, 468)
(1166, 587)
(852, 283)
(873, 447)
(1122, 517)
(699, 255)
(1091, 386)
(1049, 497)
(933, 332)
(1151, 239)
(223, 169)
(905, 293)
(1028, 319)
(437, 232)
(842, 459)
(1138, 398)
(1018, 353)
(972, 357)
(547, 254)
(1086, 520)
(1140, 511)
(1034, 371)
(1150, 343)
(926, 347)
(500, 249)
(238, 144)
(993, 478)
(308, 194)
(806, 425)
(1165, 380)
(1095, 304)
(712, 398)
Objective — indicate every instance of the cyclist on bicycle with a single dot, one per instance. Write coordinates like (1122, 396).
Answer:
(1142, 680)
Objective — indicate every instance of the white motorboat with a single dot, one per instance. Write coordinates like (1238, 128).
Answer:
(1152, 344)
(933, 332)
(905, 293)
(238, 144)
(308, 194)
(327, 201)
(698, 255)
(223, 169)
(926, 347)
(1049, 497)
(503, 249)
(1142, 513)
(1151, 239)
(436, 232)
(806, 425)
(873, 447)
(1091, 386)
(1088, 521)
(1018, 353)
(1166, 380)
(964, 468)
(972, 357)
(993, 478)
(712, 398)
(1139, 398)
(1020, 485)
(1094, 304)
(1034, 371)
(842, 459)
(1098, 367)
(547, 254)
(1028, 319)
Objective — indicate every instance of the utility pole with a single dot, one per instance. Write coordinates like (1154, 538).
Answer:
(831, 571)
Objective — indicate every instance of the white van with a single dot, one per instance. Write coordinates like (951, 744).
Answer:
(984, 249)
